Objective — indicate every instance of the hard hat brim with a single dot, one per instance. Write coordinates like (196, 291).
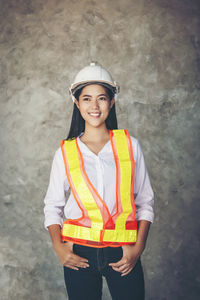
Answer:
(112, 86)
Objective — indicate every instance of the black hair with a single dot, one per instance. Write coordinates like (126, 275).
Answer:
(78, 123)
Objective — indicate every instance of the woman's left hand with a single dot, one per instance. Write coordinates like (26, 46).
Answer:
(131, 253)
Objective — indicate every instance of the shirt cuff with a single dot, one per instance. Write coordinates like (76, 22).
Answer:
(52, 222)
(145, 215)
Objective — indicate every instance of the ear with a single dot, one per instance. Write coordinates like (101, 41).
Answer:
(76, 102)
(112, 102)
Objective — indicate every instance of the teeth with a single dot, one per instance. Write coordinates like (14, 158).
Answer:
(94, 114)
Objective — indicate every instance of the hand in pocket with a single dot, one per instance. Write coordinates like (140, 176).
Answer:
(68, 258)
(128, 261)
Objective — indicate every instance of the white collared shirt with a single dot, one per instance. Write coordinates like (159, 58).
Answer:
(101, 172)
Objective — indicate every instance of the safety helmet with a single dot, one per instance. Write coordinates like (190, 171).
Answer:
(94, 73)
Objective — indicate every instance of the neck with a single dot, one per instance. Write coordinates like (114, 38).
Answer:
(96, 134)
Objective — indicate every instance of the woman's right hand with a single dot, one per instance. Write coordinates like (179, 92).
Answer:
(68, 258)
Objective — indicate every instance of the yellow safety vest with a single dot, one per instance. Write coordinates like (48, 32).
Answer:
(96, 227)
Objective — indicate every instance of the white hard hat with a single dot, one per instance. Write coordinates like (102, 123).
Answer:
(93, 73)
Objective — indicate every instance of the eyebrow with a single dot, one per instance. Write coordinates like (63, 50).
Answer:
(97, 95)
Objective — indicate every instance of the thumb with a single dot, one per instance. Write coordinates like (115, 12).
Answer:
(118, 263)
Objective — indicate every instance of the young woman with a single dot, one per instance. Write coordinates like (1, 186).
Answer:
(110, 207)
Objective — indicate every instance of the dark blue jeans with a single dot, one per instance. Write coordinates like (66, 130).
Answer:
(86, 284)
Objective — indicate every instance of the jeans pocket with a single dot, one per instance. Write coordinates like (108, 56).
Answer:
(80, 250)
(113, 254)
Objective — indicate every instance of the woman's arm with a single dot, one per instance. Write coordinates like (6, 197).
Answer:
(143, 230)
(54, 207)
(143, 193)
(55, 198)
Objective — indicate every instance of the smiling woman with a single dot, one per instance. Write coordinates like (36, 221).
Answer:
(78, 122)
(110, 208)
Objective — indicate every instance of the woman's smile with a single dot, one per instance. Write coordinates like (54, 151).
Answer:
(94, 114)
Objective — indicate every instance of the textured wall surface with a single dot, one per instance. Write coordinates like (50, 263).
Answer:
(153, 49)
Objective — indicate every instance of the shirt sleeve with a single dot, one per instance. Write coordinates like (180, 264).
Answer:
(55, 198)
(144, 196)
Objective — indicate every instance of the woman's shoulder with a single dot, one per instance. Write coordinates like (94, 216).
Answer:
(58, 155)
(136, 147)
(135, 143)
(134, 140)
(58, 152)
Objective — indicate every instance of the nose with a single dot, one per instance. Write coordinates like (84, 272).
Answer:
(95, 104)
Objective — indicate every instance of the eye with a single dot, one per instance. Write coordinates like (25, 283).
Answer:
(86, 99)
(102, 98)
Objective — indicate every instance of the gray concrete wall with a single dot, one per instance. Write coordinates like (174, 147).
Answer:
(153, 49)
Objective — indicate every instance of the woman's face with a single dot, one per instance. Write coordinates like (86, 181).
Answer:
(94, 105)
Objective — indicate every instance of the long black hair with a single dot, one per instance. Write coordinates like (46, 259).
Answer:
(78, 123)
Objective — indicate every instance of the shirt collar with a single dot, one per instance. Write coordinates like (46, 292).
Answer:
(84, 149)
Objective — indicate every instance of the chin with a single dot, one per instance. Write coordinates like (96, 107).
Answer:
(96, 124)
